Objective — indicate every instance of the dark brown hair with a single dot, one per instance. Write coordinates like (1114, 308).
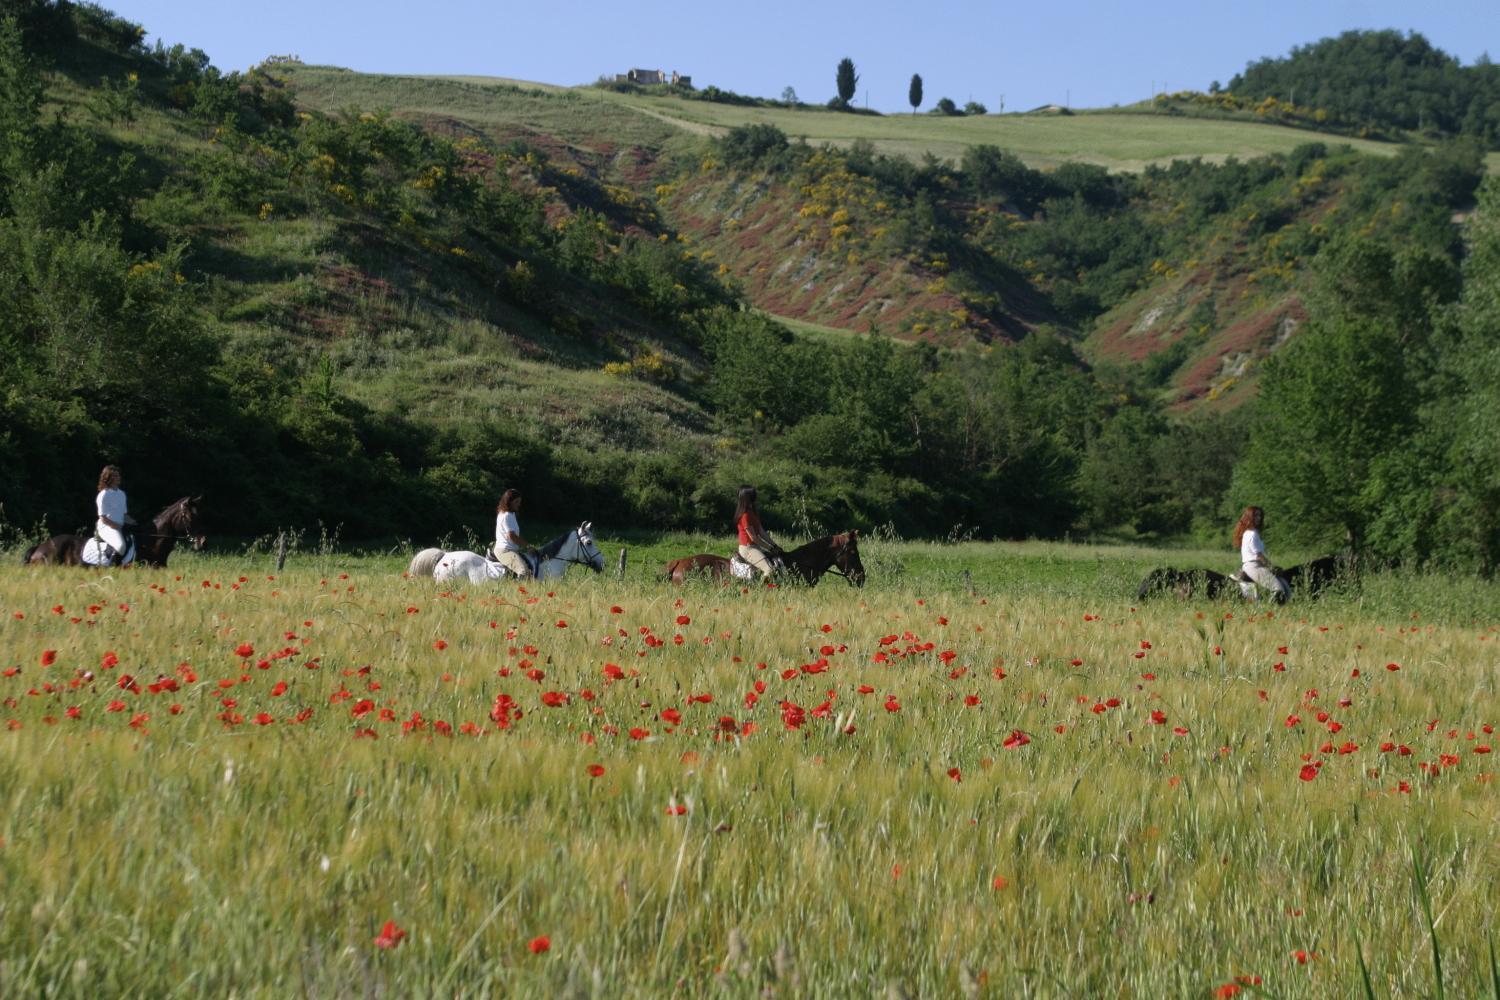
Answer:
(745, 504)
(508, 501)
(109, 476)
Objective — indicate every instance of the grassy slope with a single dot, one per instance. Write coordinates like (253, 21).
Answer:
(1118, 141)
(766, 240)
(630, 140)
(406, 333)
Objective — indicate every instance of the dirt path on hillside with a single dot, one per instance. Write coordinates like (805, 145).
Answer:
(697, 128)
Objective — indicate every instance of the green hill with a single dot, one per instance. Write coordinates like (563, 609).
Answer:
(1117, 140)
(384, 297)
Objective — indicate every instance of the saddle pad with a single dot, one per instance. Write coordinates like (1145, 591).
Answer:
(92, 553)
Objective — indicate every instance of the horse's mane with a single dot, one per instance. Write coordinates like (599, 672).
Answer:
(826, 541)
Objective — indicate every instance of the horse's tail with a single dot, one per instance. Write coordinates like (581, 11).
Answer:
(424, 562)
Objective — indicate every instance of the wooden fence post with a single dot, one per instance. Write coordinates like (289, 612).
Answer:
(969, 584)
(280, 550)
(620, 569)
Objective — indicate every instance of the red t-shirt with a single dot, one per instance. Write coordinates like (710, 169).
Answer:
(744, 526)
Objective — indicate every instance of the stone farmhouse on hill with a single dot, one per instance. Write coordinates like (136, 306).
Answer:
(647, 77)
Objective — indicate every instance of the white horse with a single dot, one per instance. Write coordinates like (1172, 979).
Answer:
(575, 547)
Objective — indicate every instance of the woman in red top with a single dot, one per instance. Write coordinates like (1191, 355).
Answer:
(756, 547)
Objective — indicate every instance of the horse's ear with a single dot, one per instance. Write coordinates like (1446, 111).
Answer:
(198, 498)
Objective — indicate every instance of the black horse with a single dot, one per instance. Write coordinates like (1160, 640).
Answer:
(1184, 584)
(1307, 579)
(179, 522)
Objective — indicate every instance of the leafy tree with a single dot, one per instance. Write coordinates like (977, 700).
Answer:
(914, 92)
(789, 96)
(846, 79)
(1340, 402)
(945, 106)
(975, 108)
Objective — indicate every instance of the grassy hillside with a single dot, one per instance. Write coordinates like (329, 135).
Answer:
(760, 233)
(1118, 141)
(385, 298)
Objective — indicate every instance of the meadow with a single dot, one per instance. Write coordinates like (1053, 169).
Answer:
(1119, 139)
(224, 779)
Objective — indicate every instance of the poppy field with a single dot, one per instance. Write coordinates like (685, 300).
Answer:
(332, 780)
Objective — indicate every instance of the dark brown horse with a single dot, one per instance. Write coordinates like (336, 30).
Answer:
(831, 553)
(180, 522)
(1309, 579)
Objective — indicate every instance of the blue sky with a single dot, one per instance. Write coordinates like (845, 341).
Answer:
(1091, 54)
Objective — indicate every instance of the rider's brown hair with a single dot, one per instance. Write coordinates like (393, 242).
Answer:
(508, 501)
(1248, 520)
(109, 477)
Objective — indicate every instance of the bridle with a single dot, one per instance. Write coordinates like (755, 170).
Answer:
(584, 546)
(842, 552)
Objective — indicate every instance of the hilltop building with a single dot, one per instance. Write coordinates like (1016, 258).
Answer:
(649, 77)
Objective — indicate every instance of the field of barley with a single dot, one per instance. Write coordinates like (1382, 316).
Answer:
(221, 779)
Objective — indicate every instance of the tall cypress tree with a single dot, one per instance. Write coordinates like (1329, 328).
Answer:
(914, 94)
(846, 79)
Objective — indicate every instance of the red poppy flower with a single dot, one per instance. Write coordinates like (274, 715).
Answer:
(539, 944)
(595, 770)
(440, 645)
(244, 650)
(390, 935)
(637, 733)
(891, 704)
(49, 657)
(955, 774)
(1016, 739)
(1393, 666)
(1309, 772)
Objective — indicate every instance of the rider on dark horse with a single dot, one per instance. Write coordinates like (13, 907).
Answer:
(112, 526)
(756, 546)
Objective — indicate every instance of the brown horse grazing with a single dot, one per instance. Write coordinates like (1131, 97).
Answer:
(831, 553)
(180, 521)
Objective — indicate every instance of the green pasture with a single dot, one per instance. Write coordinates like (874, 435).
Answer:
(1118, 140)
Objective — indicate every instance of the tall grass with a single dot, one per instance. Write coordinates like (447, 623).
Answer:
(891, 838)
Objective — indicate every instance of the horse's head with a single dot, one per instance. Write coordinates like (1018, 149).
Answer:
(588, 552)
(846, 557)
(184, 519)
